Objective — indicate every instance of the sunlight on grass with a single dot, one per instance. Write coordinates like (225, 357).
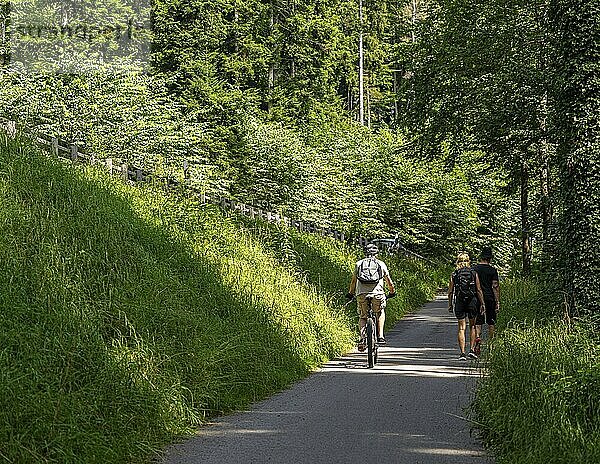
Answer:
(131, 315)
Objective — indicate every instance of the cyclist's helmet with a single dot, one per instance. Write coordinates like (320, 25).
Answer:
(371, 250)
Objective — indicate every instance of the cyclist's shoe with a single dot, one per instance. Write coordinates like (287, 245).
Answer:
(381, 341)
(362, 345)
(462, 357)
(473, 355)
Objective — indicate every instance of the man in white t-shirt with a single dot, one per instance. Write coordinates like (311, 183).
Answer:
(368, 282)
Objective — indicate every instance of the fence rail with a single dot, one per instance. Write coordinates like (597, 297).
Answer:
(73, 152)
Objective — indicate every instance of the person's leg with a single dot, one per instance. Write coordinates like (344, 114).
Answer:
(478, 330)
(362, 320)
(379, 307)
(478, 333)
(362, 344)
(491, 315)
(462, 328)
(381, 323)
(479, 321)
(472, 333)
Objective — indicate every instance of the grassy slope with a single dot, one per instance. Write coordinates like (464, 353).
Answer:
(128, 318)
(540, 402)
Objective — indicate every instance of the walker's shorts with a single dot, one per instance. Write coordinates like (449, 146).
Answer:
(490, 312)
(378, 305)
(463, 309)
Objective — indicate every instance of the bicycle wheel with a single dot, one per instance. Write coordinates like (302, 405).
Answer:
(375, 338)
(375, 352)
(371, 350)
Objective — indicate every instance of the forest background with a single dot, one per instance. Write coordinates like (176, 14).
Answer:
(466, 137)
(479, 125)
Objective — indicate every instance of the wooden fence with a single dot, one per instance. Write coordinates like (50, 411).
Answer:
(132, 174)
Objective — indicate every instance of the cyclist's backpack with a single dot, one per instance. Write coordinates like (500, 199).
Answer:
(369, 271)
(464, 283)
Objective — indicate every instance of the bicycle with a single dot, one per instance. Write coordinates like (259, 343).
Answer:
(371, 332)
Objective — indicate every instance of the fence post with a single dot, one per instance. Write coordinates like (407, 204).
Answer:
(109, 165)
(11, 129)
(139, 176)
(186, 169)
(202, 197)
(55, 146)
(74, 152)
(124, 172)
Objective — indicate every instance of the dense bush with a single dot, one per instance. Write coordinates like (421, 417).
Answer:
(539, 400)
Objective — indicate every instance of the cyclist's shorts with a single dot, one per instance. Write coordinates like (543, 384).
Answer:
(490, 313)
(463, 309)
(378, 305)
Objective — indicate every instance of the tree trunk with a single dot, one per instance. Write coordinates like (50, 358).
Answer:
(543, 156)
(4, 36)
(271, 72)
(545, 195)
(361, 104)
(525, 234)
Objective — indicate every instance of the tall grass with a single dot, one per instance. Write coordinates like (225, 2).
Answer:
(327, 265)
(128, 315)
(539, 401)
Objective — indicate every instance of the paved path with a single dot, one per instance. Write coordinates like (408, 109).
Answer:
(419, 388)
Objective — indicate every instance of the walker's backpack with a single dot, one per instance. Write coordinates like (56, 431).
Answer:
(464, 283)
(369, 271)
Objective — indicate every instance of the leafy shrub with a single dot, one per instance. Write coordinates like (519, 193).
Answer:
(538, 401)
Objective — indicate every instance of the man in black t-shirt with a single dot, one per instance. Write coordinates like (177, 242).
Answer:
(488, 277)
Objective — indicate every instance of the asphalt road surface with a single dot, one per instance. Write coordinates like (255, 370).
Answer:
(409, 409)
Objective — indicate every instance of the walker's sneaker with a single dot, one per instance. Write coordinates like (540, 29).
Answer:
(381, 341)
(477, 348)
(472, 355)
(462, 357)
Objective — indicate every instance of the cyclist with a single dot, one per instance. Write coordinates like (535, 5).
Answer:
(488, 276)
(368, 280)
(464, 292)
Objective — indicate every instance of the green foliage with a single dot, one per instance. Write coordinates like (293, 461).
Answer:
(327, 265)
(130, 315)
(577, 106)
(290, 59)
(251, 95)
(332, 173)
(480, 81)
(538, 401)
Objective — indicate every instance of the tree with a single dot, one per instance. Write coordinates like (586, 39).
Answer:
(576, 97)
(479, 81)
